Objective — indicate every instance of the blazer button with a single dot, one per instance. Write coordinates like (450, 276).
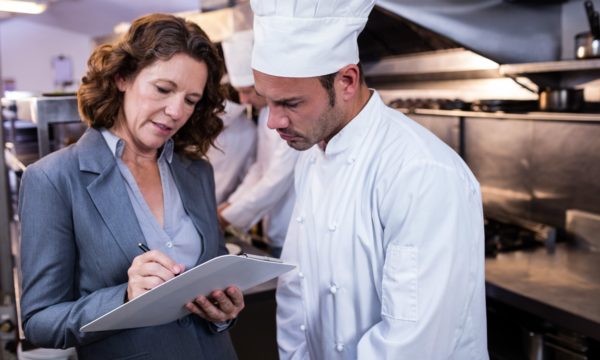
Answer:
(184, 321)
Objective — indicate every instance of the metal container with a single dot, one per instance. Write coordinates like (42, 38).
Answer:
(567, 100)
(586, 46)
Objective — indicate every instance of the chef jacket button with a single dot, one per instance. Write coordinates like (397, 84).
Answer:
(333, 289)
(169, 244)
(301, 275)
(339, 347)
(302, 327)
(332, 227)
(350, 161)
(312, 160)
(300, 219)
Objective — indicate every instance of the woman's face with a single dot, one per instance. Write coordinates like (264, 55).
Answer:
(158, 101)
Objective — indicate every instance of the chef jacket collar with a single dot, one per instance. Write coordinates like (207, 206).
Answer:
(355, 130)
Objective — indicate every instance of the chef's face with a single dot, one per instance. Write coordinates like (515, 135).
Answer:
(299, 109)
(248, 95)
(158, 101)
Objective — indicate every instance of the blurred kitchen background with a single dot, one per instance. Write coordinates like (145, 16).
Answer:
(512, 86)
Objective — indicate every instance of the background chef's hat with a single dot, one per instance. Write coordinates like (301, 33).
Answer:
(306, 38)
(237, 51)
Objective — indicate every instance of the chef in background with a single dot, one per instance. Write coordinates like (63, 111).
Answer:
(387, 230)
(234, 150)
(267, 191)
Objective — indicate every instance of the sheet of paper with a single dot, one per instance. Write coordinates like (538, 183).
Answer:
(166, 302)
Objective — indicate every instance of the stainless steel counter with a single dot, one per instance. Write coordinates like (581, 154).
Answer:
(541, 116)
(562, 287)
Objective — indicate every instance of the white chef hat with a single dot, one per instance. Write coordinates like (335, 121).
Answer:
(306, 38)
(237, 51)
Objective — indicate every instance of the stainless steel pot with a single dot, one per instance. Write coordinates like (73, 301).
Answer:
(561, 100)
(586, 46)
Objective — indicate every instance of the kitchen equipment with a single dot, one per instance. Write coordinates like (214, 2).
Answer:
(505, 105)
(561, 100)
(508, 234)
(592, 16)
(587, 44)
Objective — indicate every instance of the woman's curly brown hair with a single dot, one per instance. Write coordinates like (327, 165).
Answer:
(151, 38)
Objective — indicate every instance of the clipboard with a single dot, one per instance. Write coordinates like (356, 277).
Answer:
(166, 302)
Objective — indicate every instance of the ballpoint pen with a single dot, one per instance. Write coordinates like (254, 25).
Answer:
(143, 247)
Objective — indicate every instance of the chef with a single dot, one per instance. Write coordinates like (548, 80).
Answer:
(266, 192)
(387, 230)
(235, 150)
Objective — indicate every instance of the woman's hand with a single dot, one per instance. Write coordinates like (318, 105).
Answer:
(149, 270)
(221, 305)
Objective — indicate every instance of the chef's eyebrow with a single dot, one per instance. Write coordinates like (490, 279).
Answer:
(287, 101)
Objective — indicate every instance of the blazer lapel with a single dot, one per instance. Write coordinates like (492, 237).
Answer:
(108, 192)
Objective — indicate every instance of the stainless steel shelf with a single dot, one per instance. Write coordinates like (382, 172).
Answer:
(540, 116)
(550, 67)
(435, 65)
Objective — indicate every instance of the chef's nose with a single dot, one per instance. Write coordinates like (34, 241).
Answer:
(277, 118)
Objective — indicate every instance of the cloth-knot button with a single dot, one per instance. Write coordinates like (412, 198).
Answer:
(301, 275)
(169, 244)
(302, 327)
(300, 219)
(333, 289)
(332, 227)
(339, 347)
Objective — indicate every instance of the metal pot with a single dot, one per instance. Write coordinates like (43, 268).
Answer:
(586, 46)
(561, 100)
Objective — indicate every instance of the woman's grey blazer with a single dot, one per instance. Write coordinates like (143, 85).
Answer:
(79, 235)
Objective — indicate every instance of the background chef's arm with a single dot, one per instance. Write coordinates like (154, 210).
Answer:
(52, 313)
(430, 216)
(258, 193)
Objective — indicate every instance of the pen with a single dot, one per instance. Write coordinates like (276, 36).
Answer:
(143, 247)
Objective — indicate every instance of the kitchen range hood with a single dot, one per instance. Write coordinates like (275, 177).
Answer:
(505, 32)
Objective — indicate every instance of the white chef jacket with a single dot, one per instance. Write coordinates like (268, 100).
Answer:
(267, 191)
(387, 233)
(236, 150)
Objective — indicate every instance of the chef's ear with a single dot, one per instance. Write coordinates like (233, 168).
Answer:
(349, 81)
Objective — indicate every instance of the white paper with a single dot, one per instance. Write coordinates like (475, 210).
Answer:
(166, 302)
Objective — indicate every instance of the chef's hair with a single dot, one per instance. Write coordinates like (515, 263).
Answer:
(150, 38)
(328, 80)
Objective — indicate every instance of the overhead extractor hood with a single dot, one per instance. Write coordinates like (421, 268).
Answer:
(505, 32)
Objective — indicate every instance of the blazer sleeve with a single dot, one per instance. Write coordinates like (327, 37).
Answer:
(51, 307)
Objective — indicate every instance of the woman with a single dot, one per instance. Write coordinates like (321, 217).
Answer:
(135, 176)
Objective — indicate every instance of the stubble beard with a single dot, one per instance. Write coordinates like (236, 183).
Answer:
(326, 127)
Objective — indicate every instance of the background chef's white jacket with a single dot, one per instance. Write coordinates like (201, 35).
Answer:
(267, 191)
(387, 233)
(237, 150)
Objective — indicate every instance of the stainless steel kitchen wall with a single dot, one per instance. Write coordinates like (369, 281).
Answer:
(535, 170)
